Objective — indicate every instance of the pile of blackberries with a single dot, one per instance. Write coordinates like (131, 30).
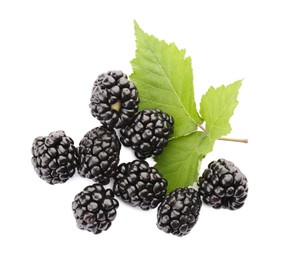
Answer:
(114, 102)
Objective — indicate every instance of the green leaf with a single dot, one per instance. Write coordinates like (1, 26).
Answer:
(179, 163)
(163, 76)
(217, 106)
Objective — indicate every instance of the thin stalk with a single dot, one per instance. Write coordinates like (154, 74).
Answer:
(230, 139)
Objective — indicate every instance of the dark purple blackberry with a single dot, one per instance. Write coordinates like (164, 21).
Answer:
(99, 153)
(114, 99)
(223, 185)
(148, 133)
(140, 185)
(94, 208)
(179, 211)
(54, 157)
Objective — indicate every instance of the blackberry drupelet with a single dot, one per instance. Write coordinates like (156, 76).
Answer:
(223, 185)
(114, 99)
(99, 152)
(54, 157)
(148, 133)
(179, 211)
(94, 208)
(140, 185)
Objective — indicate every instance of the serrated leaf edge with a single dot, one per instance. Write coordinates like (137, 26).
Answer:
(183, 51)
(232, 98)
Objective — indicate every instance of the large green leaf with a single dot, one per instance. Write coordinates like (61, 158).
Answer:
(180, 160)
(163, 76)
(217, 106)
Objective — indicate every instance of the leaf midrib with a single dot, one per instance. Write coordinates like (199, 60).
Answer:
(174, 90)
(213, 124)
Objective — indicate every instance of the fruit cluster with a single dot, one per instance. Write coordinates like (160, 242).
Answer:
(114, 102)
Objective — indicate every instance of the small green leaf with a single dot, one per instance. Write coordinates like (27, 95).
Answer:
(179, 163)
(217, 106)
(163, 76)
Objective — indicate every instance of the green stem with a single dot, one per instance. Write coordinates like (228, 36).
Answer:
(239, 140)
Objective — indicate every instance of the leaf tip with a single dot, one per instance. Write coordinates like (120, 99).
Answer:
(135, 24)
(238, 83)
(137, 27)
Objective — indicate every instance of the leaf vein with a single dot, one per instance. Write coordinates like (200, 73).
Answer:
(170, 83)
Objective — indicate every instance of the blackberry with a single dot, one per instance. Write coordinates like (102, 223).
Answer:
(114, 99)
(148, 133)
(223, 185)
(140, 185)
(179, 211)
(54, 157)
(99, 152)
(94, 208)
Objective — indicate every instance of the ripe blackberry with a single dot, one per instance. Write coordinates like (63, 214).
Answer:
(148, 133)
(140, 185)
(54, 157)
(114, 99)
(99, 152)
(94, 208)
(179, 211)
(223, 185)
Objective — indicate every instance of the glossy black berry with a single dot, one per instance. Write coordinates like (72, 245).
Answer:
(94, 208)
(179, 211)
(140, 185)
(54, 157)
(148, 133)
(114, 100)
(223, 185)
(99, 152)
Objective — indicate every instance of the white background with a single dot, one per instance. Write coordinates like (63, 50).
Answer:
(52, 51)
